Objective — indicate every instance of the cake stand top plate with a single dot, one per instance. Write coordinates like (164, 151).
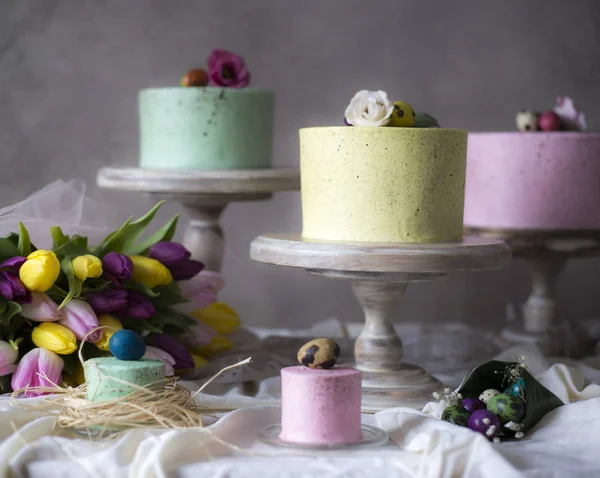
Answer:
(189, 181)
(472, 254)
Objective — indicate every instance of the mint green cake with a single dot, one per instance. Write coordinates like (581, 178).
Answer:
(99, 374)
(205, 128)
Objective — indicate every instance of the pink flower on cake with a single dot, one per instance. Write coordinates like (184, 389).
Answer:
(227, 69)
(572, 119)
(369, 108)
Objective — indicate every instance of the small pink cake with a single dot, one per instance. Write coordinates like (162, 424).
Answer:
(533, 180)
(320, 406)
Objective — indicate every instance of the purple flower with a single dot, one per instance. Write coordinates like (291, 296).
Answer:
(38, 368)
(165, 357)
(176, 258)
(79, 317)
(13, 264)
(138, 307)
(41, 308)
(108, 300)
(183, 359)
(117, 267)
(227, 69)
(11, 288)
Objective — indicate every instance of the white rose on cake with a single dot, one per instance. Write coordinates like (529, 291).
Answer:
(369, 108)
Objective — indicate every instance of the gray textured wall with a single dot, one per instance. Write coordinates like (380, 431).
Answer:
(70, 71)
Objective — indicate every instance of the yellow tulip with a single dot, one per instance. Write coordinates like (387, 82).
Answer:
(112, 325)
(150, 272)
(219, 317)
(40, 271)
(54, 337)
(217, 345)
(87, 266)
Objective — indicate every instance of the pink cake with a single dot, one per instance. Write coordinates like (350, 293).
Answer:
(320, 406)
(533, 180)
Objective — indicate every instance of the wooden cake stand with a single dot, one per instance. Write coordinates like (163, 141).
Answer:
(204, 195)
(380, 274)
(539, 320)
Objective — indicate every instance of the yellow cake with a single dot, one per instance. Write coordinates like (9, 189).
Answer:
(383, 184)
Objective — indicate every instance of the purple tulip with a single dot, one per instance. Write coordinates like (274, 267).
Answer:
(79, 316)
(13, 264)
(183, 359)
(38, 368)
(41, 308)
(165, 357)
(117, 267)
(11, 288)
(108, 300)
(176, 258)
(138, 307)
(227, 69)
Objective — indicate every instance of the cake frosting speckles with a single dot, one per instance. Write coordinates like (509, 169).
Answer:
(391, 175)
(544, 180)
(382, 184)
(219, 126)
(320, 406)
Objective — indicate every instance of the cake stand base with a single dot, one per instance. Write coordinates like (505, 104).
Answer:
(540, 320)
(380, 275)
(204, 195)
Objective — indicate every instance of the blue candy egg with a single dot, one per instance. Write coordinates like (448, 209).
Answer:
(516, 389)
(127, 345)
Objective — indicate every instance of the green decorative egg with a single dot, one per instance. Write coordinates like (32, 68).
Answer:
(507, 408)
(457, 415)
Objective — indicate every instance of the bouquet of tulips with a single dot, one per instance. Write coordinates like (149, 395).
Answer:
(52, 300)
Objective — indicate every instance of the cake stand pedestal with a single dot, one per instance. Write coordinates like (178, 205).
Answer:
(539, 320)
(204, 195)
(380, 274)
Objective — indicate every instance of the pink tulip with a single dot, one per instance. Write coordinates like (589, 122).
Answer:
(8, 357)
(38, 368)
(41, 308)
(79, 316)
(158, 354)
(201, 290)
(200, 334)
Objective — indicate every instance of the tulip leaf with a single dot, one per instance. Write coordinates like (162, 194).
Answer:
(24, 244)
(168, 295)
(5, 386)
(138, 286)
(9, 311)
(75, 284)
(163, 319)
(58, 237)
(7, 249)
(73, 247)
(165, 233)
(129, 233)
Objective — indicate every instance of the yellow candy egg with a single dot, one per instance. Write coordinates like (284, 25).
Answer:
(403, 115)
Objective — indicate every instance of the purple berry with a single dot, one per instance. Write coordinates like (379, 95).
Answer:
(472, 404)
(485, 422)
(550, 121)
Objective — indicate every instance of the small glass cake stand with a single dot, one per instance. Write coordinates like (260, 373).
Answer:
(204, 195)
(380, 274)
(540, 319)
(369, 436)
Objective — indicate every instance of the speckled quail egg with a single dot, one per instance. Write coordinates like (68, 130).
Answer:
(528, 120)
(403, 115)
(319, 353)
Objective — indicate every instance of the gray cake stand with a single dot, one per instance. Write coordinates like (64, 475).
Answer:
(380, 274)
(540, 319)
(204, 195)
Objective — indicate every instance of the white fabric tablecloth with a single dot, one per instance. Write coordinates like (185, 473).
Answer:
(566, 443)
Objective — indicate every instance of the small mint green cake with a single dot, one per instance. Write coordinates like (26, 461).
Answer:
(206, 128)
(99, 374)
